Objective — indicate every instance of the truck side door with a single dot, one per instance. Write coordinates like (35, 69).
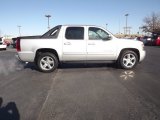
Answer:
(74, 44)
(99, 45)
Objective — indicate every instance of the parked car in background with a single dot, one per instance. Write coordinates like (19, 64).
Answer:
(2, 45)
(149, 40)
(158, 41)
(7, 42)
(143, 39)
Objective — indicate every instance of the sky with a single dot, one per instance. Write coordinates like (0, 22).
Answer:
(30, 14)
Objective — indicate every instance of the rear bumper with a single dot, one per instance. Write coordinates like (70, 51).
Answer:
(25, 56)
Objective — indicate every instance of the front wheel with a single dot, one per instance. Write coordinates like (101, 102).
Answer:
(128, 59)
(47, 62)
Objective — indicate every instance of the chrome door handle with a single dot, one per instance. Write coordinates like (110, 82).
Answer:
(67, 43)
(91, 43)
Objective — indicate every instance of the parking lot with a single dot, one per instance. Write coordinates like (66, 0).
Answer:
(80, 91)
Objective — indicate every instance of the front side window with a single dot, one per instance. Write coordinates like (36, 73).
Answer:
(97, 34)
(76, 33)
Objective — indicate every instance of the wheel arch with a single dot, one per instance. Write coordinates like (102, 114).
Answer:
(130, 49)
(44, 50)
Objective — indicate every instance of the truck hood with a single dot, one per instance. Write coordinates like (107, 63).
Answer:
(128, 43)
(133, 41)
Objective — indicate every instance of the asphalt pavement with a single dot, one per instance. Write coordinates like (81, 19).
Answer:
(80, 91)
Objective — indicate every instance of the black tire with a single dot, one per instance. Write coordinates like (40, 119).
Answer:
(47, 62)
(128, 59)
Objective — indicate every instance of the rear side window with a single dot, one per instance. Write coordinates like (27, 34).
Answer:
(76, 33)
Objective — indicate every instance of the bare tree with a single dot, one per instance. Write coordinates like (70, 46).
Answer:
(152, 23)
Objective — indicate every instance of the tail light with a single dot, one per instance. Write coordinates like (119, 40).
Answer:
(18, 46)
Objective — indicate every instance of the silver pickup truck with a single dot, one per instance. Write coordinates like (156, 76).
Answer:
(76, 43)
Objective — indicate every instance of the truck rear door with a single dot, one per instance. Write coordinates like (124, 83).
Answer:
(74, 44)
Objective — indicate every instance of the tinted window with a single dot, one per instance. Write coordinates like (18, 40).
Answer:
(74, 33)
(97, 34)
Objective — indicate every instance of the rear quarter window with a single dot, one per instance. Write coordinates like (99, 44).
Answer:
(53, 33)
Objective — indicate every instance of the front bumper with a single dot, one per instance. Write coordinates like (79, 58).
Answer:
(142, 55)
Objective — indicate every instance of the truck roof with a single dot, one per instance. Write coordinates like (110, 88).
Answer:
(78, 25)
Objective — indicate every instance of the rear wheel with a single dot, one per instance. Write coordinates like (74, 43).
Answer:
(128, 59)
(47, 62)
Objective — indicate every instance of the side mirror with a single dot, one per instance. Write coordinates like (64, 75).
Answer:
(107, 38)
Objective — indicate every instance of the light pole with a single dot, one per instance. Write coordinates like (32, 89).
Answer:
(126, 22)
(106, 26)
(48, 16)
(19, 29)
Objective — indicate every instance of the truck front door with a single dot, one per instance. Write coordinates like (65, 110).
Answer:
(99, 45)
